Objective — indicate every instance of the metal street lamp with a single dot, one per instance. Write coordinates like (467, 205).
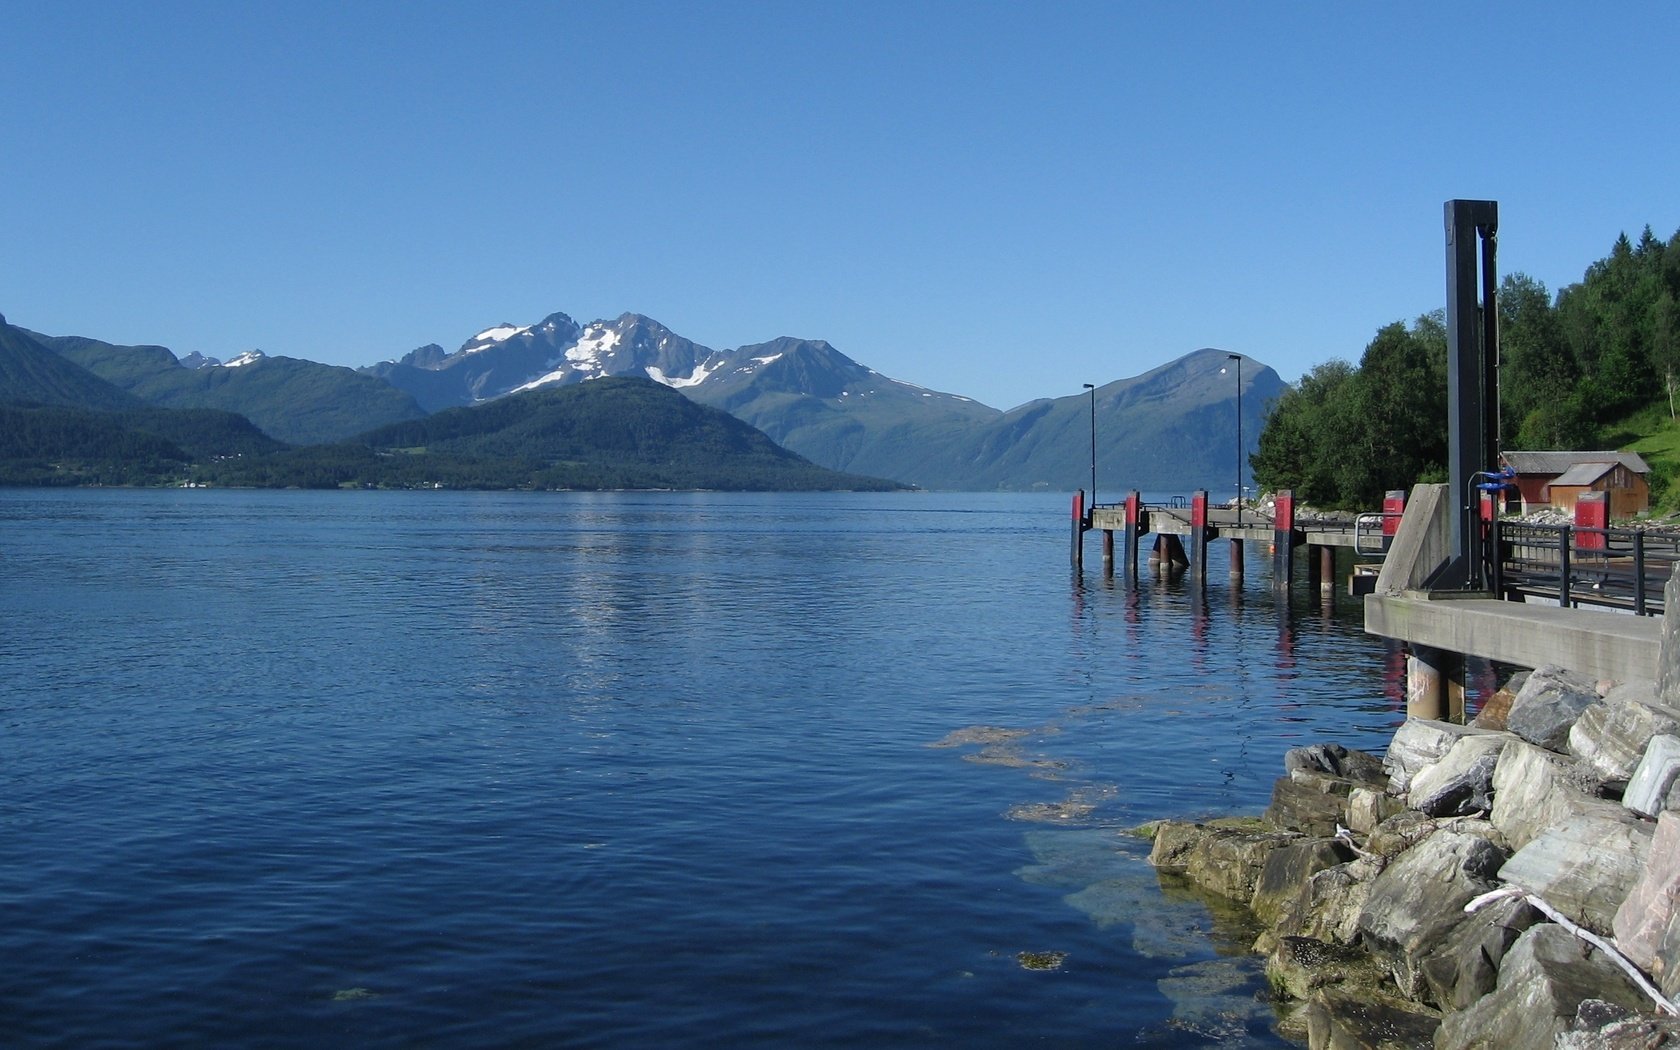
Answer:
(1092, 388)
(1238, 359)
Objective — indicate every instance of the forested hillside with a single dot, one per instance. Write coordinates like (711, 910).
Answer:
(1573, 369)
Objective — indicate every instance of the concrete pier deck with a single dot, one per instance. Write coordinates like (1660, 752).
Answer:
(1600, 644)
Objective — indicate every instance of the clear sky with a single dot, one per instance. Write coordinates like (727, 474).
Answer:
(1002, 200)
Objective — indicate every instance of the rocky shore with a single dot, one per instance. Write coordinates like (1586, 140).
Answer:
(1514, 882)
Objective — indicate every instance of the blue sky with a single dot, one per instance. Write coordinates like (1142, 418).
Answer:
(998, 200)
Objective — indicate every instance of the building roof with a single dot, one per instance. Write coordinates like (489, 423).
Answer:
(1583, 474)
(1564, 462)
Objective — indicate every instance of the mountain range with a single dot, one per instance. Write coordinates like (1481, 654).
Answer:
(1172, 428)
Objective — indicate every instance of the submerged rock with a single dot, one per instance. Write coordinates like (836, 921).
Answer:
(1343, 1019)
(1218, 1001)
(1301, 965)
(1041, 960)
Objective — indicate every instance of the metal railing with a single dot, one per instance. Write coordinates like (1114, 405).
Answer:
(1368, 534)
(1576, 566)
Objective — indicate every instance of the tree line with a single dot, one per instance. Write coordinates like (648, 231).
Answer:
(1572, 369)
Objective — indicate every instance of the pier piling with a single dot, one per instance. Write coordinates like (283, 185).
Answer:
(1137, 523)
(1199, 535)
(1283, 541)
(1076, 553)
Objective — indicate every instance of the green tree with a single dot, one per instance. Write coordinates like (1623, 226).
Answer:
(1665, 343)
(1302, 426)
(1537, 370)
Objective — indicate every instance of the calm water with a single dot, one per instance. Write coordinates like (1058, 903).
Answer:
(452, 769)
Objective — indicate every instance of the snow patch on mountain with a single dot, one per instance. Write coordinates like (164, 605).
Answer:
(699, 375)
(249, 357)
(557, 376)
(493, 336)
(596, 342)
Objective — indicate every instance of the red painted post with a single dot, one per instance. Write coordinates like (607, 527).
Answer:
(1134, 516)
(1283, 541)
(1076, 554)
(1592, 511)
(1394, 505)
(1199, 534)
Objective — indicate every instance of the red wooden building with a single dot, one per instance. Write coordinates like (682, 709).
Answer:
(1556, 479)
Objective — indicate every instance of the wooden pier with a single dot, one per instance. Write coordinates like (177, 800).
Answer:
(1184, 529)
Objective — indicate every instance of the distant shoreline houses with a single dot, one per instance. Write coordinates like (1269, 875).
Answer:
(1555, 480)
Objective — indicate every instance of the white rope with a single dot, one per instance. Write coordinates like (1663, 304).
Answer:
(1664, 1005)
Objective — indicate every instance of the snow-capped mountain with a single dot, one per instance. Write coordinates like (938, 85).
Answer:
(813, 399)
(805, 394)
(507, 359)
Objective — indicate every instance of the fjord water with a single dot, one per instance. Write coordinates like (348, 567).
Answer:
(458, 769)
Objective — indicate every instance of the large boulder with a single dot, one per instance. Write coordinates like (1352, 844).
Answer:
(1653, 778)
(1368, 807)
(1586, 866)
(1287, 870)
(1534, 789)
(1652, 903)
(1419, 898)
(1327, 907)
(1223, 857)
(1310, 802)
(1407, 828)
(1337, 761)
(1668, 651)
(1466, 965)
(1545, 977)
(1496, 708)
(1420, 742)
(1461, 783)
(1611, 735)
(1548, 705)
(1606, 1026)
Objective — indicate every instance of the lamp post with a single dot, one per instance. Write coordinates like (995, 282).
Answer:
(1238, 359)
(1092, 388)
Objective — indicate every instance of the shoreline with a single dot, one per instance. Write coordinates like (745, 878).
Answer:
(1507, 883)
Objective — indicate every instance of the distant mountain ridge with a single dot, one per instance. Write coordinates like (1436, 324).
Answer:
(296, 401)
(31, 373)
(1172, 427)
